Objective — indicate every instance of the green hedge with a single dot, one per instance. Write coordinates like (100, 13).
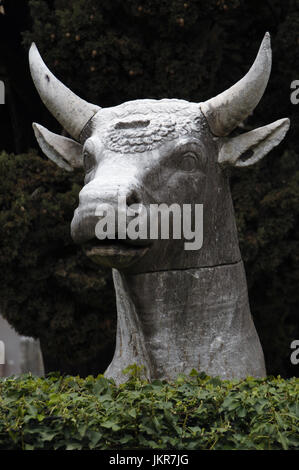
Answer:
(195, 412)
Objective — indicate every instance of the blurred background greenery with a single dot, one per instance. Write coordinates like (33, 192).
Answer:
(113, 51)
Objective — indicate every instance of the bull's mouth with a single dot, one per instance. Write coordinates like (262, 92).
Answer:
(114, 253)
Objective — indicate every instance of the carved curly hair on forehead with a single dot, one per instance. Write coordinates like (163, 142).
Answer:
(142, 139)
(143, 125)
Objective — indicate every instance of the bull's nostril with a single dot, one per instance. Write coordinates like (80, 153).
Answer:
(132, 198)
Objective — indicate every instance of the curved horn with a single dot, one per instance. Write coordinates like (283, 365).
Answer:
(228, 109)
(71, 111)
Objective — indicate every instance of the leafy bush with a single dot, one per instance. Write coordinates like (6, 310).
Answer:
(194, 412)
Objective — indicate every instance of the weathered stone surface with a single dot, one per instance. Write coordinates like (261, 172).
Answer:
(71, 111)
(22, 354)
(177, 309)
(174, 321)
(225, 111)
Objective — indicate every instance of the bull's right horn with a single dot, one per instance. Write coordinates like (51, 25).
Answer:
(228, 109)
(71, 112)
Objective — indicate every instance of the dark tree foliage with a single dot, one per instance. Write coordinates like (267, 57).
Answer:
(112, 51)
(48, 287)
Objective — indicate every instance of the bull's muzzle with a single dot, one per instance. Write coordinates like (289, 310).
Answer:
(117, 205)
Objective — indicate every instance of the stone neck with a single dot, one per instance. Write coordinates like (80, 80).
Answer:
(173, 321)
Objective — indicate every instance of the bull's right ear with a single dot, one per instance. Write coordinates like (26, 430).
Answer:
(247, 149)
(66, 153)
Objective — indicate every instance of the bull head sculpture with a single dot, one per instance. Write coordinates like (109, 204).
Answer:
(166, 151)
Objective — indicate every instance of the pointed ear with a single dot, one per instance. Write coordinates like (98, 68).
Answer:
(65, 152)
(247, 149)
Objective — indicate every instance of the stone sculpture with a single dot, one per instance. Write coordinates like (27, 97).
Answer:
(177, 309)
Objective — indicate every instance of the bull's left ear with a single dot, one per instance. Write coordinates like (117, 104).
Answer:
(247, 149)
(66, 153)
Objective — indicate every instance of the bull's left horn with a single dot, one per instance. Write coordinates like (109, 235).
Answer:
(71, 111)
(228, 109)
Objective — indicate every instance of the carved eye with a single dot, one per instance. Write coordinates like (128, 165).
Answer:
(88, 161)
(189, 161)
